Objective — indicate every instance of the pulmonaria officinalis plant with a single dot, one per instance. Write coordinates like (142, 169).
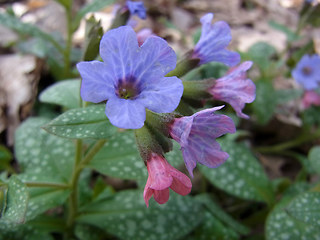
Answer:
(138, 82)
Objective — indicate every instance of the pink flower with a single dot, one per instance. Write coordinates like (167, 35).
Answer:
(197, 135)
(310, 98)
(235, 88)
(162, 176)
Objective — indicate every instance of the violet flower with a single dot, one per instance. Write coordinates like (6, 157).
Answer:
(163, 176)
(131, 78)
(137, 8)
(197, 135)
(307, 72)
(235, 88)
(213, 42)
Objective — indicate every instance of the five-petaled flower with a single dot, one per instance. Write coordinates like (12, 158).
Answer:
(307, 72)
(163, 176)
(131, 78)
(213, 42)
(197, 135)
(235, 88)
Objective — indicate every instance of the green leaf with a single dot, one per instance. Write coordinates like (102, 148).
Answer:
(261, 53)
(286, 95)
(120, 158)
(43, 199)
(16, 204)
(241, 175)
(85, 232)
(306, 208)
(311, 116)
(211, 228)
(314, 157)
(41, 156)
(93, 6)
(291, 36)
(221, 215)
(310, 14)
(66, 94)
(65, 3)
(25, 232)
(15, 24)
(265, 102)
(127, 217)
(280, 225)
(79, 123)
(5, 158)
(94, 33)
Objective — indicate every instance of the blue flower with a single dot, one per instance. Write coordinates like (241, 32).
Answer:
(307, 72)
(131, 78)
(137, 8)
(213, 42)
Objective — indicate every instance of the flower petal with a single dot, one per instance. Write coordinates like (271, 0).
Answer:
(125, 113)
(162, 95)
(97, 84)
(181, 184)
(147, 193)
(235, 88)
(161, 196)
(213, 41)
(119, 50)
(137, 8)
(156, 59)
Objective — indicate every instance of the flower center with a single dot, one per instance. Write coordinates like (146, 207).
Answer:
(127, 89)
(307, 71)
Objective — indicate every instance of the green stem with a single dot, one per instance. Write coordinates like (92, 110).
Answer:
(46, 184)
(79, 165)
(73, 198)
(290, 144)
(68, 48)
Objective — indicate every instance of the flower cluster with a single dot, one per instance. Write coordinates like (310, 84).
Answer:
(134, 80)
(307, 74)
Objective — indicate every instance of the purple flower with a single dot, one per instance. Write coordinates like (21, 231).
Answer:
(137, 8)
(197, 135)
(213, 42)
(235, 88)
(307, 72)
(131, 78)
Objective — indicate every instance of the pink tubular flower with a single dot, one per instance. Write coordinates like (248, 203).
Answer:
(310, 98)
(197, 135)
(162, 176)
(235, 88)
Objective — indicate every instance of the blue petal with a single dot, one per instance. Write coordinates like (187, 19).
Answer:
(137, 8)
(119, 50)
(162, 95)
(213, 41)
(125, 113)
(97, 82)
(155, 60)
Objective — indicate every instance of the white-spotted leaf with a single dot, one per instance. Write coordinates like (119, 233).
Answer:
(65, 93)
(314, 157)
(120, 158)
(127, 217)
(281, 225)
(43, 157)
(16, 204)
(241, 175)
(79, 123)
(306, 208)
